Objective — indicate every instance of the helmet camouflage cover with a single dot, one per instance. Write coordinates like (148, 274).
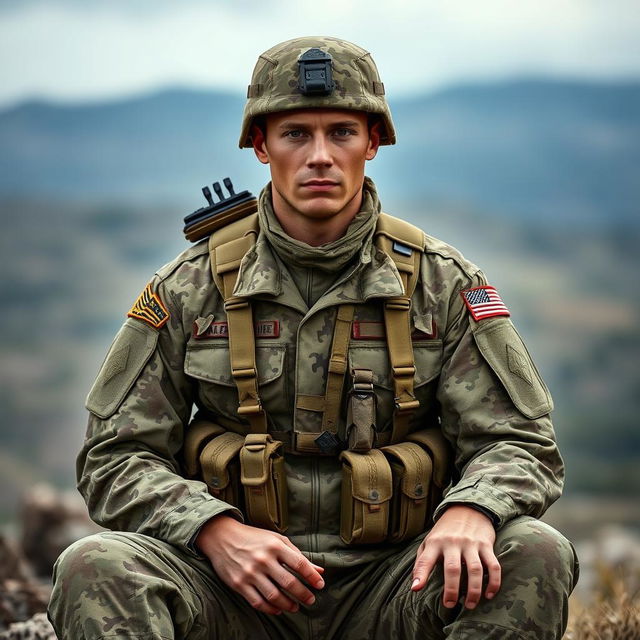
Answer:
(353, 83)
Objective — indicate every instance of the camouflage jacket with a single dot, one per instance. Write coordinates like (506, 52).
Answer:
(475, 379)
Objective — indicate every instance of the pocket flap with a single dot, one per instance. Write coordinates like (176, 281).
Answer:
(370, 476)
(211, 362)
(427, 355)
(416, 468)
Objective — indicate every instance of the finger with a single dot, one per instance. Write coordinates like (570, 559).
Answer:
(290, 544)
(303, 567)
(452, 570)
(286, 581)
(273, 595)
(475, 571)
(425, 562)
(494, 571)
(255, 599)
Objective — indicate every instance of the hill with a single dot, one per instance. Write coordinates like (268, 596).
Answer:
(567, 152)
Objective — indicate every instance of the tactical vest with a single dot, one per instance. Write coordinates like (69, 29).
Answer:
(392, 481)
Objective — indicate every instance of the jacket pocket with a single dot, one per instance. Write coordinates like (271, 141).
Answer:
(374, 355)
(210, 365)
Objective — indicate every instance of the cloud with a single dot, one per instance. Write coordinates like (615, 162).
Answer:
(89, 49)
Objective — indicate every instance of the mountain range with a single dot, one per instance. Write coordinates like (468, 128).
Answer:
(564, 152)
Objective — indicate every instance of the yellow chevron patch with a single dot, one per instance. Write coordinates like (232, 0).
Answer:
(150, 308)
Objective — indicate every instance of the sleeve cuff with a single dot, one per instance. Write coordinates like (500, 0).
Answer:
(483, 495)
(181, 525)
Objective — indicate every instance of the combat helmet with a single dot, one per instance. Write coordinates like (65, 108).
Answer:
(312, 72)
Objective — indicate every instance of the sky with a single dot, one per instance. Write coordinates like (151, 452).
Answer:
(91, 50)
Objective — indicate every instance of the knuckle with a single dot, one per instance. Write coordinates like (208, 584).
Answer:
(289, 582)
(272, 596)
(475, 569)
(235, 583)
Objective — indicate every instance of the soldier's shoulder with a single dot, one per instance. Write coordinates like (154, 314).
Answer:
(433, 248)
(195, 257)
(439, 250)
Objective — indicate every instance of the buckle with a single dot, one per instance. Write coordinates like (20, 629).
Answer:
(235, 304)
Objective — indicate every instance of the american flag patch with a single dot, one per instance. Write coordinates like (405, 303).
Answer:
(149, 307)
(484, 302)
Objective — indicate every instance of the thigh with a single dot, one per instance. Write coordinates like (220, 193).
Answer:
(387, 608)
(131, 585)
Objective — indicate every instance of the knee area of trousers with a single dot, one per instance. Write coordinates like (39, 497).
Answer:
(531, 541)
(97, 556)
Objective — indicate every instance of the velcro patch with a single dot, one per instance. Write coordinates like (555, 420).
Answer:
(263, 329)
(364, 330)
(150, 308)
(484, 302)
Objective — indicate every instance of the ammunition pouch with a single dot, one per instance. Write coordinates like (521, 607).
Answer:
(198, 434)
(391, 493)
(221, 468)
(411, 470)
(264, 480)
(366, 492)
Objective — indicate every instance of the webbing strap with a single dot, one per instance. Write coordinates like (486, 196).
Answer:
(226, 251)
(398, 328)
(242, 353)
(337, 367)
(406, 257)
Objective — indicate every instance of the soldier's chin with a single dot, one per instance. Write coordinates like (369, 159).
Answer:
(321, 207)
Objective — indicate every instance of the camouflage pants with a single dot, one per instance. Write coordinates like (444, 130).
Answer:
(122, 585)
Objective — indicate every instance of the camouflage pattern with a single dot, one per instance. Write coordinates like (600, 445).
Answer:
(124, 585)
(274, 83)
(131, 475)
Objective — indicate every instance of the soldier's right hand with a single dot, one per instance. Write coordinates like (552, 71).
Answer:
(259, 565)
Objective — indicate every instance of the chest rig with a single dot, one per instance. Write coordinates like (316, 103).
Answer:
(227, 247)
(392, 479)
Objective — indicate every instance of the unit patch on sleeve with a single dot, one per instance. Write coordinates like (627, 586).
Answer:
(484, 302)
(150, 308)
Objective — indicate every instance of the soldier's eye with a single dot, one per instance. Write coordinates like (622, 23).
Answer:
(344, 132)
(294, 133)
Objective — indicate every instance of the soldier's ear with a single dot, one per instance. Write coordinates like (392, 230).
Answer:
(374, 139)
(259, 139)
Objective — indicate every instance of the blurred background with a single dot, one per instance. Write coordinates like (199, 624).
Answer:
(518, 142)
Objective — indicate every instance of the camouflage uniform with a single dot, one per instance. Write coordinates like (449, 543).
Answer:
(152, 583)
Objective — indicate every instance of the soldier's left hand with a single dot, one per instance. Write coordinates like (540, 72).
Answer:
(463, 539)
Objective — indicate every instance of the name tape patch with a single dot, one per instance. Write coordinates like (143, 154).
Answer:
(365, 330)
(150, 308)
(484, 302)
(263, 329)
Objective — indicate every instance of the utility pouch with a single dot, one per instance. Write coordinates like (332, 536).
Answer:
(439, 450)
(264, 480)
(221, 467)
(361, 413)
(198, 434)
(366, 492)
(412, 470)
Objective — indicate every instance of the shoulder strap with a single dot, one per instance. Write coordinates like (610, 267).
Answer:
(227, 247)
(403, 243)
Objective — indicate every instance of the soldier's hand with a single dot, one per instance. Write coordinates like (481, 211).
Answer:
(463, 539)
(259, 565)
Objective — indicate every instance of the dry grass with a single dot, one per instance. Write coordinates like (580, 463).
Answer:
(614, 613)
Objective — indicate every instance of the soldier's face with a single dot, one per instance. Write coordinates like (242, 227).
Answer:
(317, 159)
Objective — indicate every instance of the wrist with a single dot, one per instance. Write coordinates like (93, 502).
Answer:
(209, 531)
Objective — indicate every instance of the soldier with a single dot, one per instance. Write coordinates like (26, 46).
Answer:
(346, 368)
